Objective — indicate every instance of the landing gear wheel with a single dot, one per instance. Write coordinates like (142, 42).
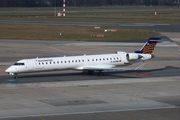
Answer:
(90, 72)
(100, 73)
(15, 76)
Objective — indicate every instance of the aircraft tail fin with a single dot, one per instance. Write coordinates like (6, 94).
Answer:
(149, 46)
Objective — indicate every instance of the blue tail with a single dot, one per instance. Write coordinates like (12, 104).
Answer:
(149, 46)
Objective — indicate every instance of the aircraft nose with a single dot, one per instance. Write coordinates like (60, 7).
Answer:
(8, 70)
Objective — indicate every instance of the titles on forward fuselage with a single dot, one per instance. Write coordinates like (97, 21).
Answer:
(48, 60)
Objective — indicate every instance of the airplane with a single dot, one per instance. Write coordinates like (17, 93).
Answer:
(89, 63)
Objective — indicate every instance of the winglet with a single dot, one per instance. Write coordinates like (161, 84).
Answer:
(149, 46)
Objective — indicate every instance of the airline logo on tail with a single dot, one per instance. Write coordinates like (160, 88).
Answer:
(148, 49)
(149, 46)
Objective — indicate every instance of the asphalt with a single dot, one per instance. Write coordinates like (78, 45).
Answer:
(151, 93)
(167, 71)
(72, 95)
(150, 26)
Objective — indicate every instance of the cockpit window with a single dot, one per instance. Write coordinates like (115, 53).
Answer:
(19, 64)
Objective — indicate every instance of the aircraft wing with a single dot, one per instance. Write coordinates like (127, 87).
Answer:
(112, 69)
(106, 69)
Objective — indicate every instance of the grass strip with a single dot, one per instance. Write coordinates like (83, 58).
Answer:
(40, 32)
(96, 14)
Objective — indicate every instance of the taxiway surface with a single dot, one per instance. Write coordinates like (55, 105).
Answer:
(150, 26)
(149, 93)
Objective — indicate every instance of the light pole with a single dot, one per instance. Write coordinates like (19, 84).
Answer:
(64, 8)
(55, 8)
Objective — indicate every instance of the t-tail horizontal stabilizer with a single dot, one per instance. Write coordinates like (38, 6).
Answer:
(149, 46)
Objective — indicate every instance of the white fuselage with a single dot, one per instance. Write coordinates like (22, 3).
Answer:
(76, 62)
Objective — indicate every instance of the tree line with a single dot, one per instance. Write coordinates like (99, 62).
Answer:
(76, 3)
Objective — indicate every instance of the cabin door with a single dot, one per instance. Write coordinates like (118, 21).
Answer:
(38, 66)
(30, 65)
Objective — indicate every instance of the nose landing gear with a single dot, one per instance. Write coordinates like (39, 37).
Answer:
(14, 74)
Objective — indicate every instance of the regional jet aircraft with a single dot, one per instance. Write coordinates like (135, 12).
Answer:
(90, 63)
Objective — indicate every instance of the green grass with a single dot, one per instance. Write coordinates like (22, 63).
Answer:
(101, 17)
(127, 14)
(40, 32)
(115, 14)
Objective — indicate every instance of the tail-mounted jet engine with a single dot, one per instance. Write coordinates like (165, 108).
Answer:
(133, 56)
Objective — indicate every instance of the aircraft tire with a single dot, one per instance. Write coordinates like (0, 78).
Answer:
(90, 72)
(100, 73)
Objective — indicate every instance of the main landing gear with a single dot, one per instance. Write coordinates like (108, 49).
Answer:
(100, 73)
(91, 72)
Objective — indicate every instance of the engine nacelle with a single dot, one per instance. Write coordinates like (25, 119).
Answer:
(133, 56)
